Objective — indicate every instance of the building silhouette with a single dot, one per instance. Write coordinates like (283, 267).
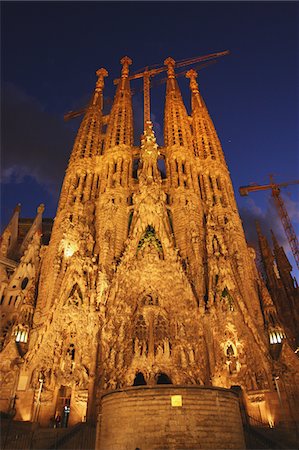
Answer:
(147, 283)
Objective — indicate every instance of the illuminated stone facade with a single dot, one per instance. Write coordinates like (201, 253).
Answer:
(147, 279)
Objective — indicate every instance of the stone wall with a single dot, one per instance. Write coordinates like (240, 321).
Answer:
(147, 418)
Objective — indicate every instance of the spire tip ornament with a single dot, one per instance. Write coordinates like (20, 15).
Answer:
(102, 72)
(170, 63)
(125, 62)
(192, 75)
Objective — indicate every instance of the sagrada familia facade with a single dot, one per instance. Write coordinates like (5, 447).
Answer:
(146, 280)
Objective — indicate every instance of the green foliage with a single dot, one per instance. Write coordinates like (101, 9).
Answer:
(225, 294)
(150, 237)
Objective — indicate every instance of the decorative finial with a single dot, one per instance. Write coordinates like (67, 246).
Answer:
(170, 63)
(192, 75)
(17, 207)
(41, 208)
(126, 62)
(101, 74)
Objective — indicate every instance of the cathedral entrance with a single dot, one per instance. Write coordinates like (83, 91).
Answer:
(63, 406)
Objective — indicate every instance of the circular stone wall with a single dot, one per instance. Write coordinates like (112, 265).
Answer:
(170, 417)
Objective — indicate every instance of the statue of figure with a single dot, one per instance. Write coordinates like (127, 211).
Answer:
(159, 351)
(183, 358)
(4, 242)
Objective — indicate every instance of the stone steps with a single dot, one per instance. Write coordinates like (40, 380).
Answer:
(28, 436)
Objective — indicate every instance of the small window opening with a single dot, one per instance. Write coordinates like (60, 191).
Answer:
(24, 283)
(162, 168)
(130, 200)
(139, 380)
(130, 220)
(71, 351)
(199, 185)
(135, 168)
(162, 378)
(170, 220)
(230, 351)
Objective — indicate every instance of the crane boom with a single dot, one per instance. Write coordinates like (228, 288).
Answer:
(244, 190)
(147, 74)
(281, 209)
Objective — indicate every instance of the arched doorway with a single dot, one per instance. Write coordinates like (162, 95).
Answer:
(139, 379)
(162, 378)
(63, 406)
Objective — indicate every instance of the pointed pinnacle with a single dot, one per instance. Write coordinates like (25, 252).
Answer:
(192, 74)
(126, 62)
(274, 239)
(41, 208)
(170, 63)
(101, 73)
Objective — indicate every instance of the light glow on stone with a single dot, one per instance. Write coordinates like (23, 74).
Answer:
(69, 250)
(176, 400)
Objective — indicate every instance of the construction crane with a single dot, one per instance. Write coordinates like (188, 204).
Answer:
(147, 73)
(281, 209)
(73, 114)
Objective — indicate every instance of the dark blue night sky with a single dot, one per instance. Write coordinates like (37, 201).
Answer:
(51, 50)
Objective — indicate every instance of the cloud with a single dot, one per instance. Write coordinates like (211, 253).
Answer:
(34, 142)
(269, 220)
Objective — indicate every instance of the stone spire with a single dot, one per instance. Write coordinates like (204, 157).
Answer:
(283, 264)
(89, 139)
(120, 126)
(35, 227)
(206, 141)
(74, 222)
(148, 171)
(116, 168)
(214, 181)
(283, 297)
(185, 208)
(177, 131)
(272, 324)
(82, 178)
(9, 237)
(291, 294)
(267, 259)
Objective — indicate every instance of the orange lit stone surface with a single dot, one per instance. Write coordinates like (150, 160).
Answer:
(146, 279)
